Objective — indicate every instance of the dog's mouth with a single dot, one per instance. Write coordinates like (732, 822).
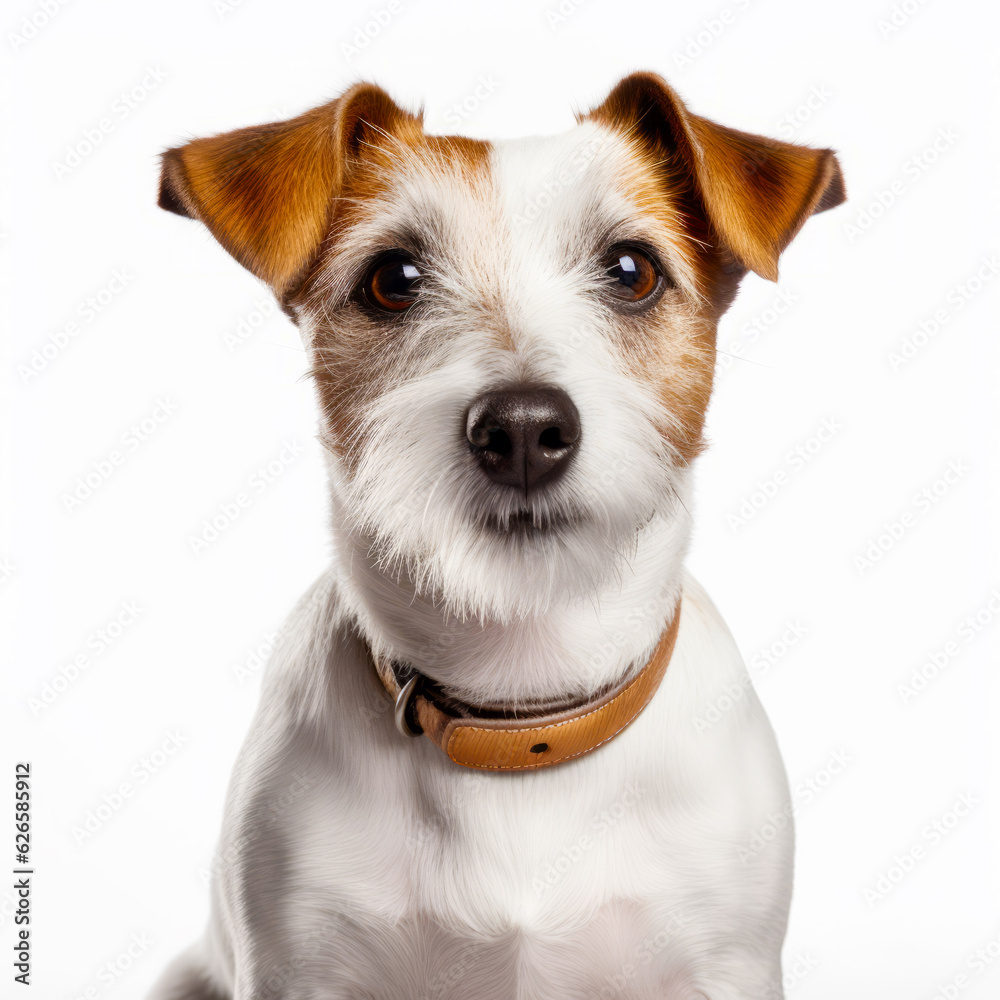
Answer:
(527, 523)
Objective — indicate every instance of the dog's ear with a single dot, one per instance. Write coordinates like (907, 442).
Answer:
(757, 192)
(266, 192)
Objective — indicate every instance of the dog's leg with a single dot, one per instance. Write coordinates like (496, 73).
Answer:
(187, 978)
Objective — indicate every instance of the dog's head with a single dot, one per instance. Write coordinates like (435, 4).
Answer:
(513, 342)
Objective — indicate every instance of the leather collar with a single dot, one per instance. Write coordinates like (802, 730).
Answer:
(497, 741)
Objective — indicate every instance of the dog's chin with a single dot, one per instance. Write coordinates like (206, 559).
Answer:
(504, 566)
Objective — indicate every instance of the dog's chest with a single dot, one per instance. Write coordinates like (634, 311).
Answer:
(493, 890)
(357, 863)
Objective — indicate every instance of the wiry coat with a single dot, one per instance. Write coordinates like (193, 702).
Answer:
(356, 863)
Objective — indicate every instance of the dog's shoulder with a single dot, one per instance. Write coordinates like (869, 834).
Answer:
(319, 669)
(709, 710)
(704, 640)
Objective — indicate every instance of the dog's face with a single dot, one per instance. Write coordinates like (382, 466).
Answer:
(513, 342)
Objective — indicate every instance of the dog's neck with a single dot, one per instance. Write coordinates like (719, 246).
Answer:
(570, 650)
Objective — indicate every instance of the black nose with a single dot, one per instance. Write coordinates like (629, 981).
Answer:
(523, 437)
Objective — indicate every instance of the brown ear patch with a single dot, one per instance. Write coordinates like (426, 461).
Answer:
(756, 192)
(170, 186)
(265, 192)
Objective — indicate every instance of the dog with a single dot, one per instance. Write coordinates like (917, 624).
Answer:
(474, 770)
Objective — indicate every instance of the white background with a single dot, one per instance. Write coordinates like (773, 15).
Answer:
(860, 282)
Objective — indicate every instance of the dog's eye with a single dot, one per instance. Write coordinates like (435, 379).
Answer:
(392, 283)
(633, 274)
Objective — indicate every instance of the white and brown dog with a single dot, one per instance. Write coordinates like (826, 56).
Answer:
(513, 345)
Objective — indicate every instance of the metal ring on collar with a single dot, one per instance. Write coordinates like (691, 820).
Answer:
(402, 707)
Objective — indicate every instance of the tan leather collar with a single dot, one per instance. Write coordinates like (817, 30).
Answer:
(492, 740)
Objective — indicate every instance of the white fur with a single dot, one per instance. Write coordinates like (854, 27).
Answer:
(356, 863)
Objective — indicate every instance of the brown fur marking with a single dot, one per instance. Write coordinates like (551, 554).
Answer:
(757, 192)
